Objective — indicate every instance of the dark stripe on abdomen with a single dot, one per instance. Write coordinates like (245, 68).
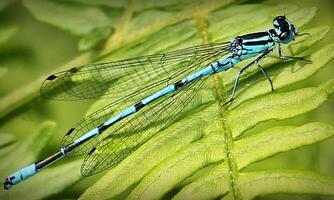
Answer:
(103, 127)
(254, 43)
(178, 84)
(139, 106)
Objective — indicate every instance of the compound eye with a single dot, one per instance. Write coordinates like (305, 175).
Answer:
(279, 21)
(284, 35)
(279, 18)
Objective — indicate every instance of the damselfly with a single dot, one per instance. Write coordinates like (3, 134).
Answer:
(168, 82)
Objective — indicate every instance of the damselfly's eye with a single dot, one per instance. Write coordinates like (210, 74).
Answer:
(280, 22)
(284, 35)
(279, 18)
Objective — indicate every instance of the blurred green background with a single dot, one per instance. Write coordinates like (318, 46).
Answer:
(35, 49)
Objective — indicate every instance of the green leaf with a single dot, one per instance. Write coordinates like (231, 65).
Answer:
(75, 18)
(6, 139)
(171, 171)
(95, 38)
(279, 139)
(278, 106)
(260, 183)
(253, 149)
(253, 184)
(7, 33)
(247, 151)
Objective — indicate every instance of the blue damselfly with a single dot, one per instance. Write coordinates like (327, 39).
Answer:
(168, 82)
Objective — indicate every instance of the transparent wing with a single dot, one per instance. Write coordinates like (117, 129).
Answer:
(137, 129)
(124, 78)
(100, 116)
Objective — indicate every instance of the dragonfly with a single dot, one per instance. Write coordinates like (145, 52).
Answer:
(148, 93)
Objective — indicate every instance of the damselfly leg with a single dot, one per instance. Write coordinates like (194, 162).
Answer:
(236, 83)
(290, 57)
(266, 75)
(256, 61)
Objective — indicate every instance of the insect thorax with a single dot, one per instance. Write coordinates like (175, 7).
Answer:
(249, 45)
